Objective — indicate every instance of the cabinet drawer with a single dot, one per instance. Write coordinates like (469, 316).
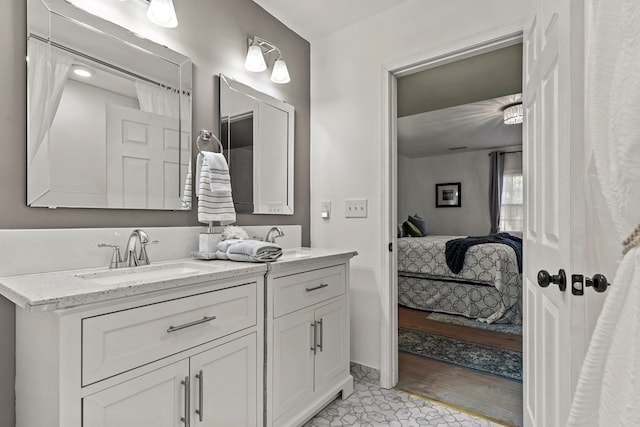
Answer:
(291, 293)
(116, 342)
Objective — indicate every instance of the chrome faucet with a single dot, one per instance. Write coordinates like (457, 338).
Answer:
(132, 256)
(273, 233)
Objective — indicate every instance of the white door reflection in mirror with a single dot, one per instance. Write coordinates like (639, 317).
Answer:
(258, 132)
(270, 183)
(143, 160)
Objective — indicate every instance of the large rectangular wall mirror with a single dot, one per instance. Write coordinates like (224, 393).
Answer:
(258, 133)
(109, 114)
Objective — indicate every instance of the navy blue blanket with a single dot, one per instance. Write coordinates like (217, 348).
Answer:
(456, 249)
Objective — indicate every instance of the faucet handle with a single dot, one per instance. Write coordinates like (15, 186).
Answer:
(116, 259)
(144, 257)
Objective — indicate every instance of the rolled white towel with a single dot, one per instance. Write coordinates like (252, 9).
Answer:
(249, 258)
(224, 245)
(255, 248)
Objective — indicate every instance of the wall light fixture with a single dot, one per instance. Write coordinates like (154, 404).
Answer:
(162, 12)
(255, 61)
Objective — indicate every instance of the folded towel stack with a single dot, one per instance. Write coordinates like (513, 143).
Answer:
(214, 189)
(248, 250)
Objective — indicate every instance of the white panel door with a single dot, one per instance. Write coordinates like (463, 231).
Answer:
(331, 321)
(270, 148)
(554, 331)
(155, 399)
(293, 360)
(144, 159)
(225, 385)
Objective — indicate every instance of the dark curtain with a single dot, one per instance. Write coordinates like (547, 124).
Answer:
(495, 188)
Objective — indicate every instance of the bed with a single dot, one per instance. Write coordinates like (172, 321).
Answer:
(488, 287)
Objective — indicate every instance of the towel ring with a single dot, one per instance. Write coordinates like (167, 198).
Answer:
(207, 136)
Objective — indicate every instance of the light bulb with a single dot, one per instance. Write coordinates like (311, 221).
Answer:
(280, 72)
(81, 71)
(162, 12)
(255, 59)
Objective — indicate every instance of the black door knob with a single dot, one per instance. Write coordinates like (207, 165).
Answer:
(545, 279)
(598, 282)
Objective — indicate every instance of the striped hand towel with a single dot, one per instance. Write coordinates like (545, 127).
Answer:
(214, 189)
(188, 189)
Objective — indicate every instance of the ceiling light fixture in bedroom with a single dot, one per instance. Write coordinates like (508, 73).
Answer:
(513, 114)
(255, 61)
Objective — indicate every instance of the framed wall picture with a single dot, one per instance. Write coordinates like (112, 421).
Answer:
(448, 195)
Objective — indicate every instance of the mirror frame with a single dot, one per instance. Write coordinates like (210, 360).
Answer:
(234, 85)
(184, 74)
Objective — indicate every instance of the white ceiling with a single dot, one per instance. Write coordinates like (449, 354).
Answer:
(313, 19)
(476, 126)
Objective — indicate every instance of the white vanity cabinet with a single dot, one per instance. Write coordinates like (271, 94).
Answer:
(189, 356)
(307, 319)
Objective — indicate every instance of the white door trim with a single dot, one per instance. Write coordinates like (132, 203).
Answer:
(480, 43)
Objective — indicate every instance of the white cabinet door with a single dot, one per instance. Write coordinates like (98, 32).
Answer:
(293, 360)
(225, 385)
(155, 399)
(330, 361)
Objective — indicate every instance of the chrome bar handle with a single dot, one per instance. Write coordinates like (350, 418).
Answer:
(315, 338)
(200, 410)
(321, 334)
(187, 401)
(315, 288)
(205, 319)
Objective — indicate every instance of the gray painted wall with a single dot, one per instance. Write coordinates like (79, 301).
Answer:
(214, 33)
(418, 177)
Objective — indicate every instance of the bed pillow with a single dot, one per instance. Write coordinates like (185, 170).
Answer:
(410, 229)
(419, 223)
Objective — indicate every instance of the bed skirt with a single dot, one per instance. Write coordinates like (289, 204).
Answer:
(475, 301)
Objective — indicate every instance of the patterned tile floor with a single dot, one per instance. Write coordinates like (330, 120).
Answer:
(372, 406)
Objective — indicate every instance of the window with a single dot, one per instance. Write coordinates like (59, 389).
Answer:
(512, 209)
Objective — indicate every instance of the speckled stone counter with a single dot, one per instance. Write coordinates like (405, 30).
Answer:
(305, 258)
(64, 289)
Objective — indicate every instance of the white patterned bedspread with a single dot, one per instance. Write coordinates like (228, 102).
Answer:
(492, 264)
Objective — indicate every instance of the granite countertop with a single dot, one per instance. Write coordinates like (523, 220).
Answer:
(64, 289)
(303, 257)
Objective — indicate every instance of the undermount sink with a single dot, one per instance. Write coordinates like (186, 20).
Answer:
(296, 253)
(147, 273)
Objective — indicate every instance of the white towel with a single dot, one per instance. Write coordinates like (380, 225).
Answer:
(187, 200)
(218, 170)
(255, 248)
(248, 250)
(214, 189)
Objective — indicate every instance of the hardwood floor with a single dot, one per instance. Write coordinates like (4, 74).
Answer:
(489, 395)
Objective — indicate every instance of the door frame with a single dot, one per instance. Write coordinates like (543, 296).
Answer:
(465, 48)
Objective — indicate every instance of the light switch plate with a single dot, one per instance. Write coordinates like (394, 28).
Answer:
(355, 208)
(325, 209)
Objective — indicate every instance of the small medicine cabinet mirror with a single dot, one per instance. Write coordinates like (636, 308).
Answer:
(257, 131)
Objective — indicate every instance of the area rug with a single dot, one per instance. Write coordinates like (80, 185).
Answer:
(496, 361)
(508, 328)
